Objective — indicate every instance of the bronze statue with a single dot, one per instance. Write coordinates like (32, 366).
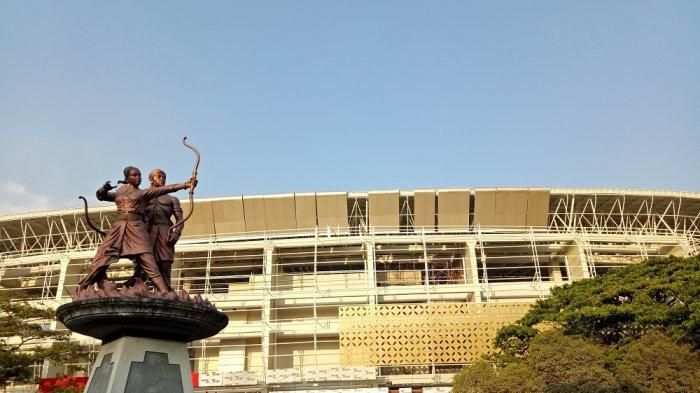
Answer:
(129, 237)
(158, 213)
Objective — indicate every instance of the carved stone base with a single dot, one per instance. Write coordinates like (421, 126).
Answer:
(140, 365)
(144, 341)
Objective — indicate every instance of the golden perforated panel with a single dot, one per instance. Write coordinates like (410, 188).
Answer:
(422, 333)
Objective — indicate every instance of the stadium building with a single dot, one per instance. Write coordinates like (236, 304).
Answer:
(363, 292)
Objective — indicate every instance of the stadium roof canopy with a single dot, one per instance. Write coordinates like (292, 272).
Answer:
(431, 210)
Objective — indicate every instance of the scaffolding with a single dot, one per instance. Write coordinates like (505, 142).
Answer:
(283, 291)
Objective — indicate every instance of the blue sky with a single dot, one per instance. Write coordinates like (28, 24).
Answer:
(299, 96)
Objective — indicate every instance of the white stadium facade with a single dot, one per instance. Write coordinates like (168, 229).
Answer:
(363, 292)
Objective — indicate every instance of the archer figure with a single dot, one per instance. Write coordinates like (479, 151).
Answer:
(163, 235)
(129, 237)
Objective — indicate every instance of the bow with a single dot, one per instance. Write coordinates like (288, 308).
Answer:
(87, 218)
(194, 176)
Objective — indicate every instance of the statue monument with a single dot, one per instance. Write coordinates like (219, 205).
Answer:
(144, 333)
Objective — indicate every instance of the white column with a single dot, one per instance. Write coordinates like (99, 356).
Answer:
(554, 271)
(470, 258)
(371, 272)
(62, 279)
(576, 262)
(267, 341)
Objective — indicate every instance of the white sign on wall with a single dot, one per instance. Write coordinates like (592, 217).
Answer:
(240, 378)
(210, 379)
(437, 389)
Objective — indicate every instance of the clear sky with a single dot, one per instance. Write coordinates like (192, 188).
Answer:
(300, 96)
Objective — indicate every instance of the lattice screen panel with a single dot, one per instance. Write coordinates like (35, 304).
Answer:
(440, 333)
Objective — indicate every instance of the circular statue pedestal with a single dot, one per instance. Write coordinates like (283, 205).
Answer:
(144, 341)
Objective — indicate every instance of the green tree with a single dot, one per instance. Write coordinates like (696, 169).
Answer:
(23, 334)
(635, 329)
(482, 377)
(478, 378)
(654, 363)
(620, 306)
(519, 377)
(554, 363)
(570, 364)
(513, 340)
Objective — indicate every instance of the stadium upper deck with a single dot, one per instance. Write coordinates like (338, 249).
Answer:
(333, 290)
(383, 212)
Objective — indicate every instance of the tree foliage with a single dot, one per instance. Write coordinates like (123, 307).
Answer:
(513, 340)
(23, 334)
(570, 364)
(479, 378)
(554, 363)
(620, 306)
(654, 363)
(635, 329)
(519, 377)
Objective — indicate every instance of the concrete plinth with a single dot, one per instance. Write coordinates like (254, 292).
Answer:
(141, 365)
(144, 341)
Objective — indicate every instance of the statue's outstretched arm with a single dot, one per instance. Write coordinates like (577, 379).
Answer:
(155, 192)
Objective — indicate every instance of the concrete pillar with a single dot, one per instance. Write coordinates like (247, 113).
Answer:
(576, 262)
(554, 271)
(268, 313)
(50, 369)
(371, 272)
(71, 277)
(472, 268)
(62, 279)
